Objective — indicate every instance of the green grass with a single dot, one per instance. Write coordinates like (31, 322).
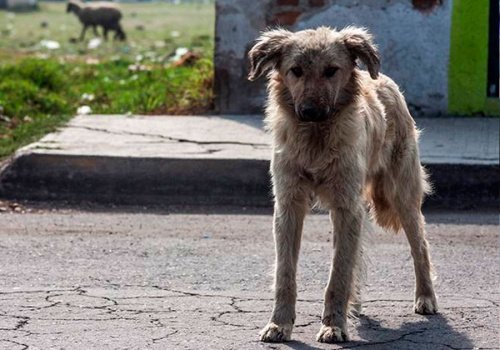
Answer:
(161, 23)
(37, 95)
(40, 89)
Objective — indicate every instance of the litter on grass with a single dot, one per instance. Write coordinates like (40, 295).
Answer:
(50, 44)
(83, 110)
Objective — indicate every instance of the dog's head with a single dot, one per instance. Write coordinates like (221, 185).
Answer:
(315, 66)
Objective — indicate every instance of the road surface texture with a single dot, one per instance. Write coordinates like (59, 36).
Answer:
(74, 279)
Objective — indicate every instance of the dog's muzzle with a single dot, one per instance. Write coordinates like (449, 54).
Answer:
(311, 113)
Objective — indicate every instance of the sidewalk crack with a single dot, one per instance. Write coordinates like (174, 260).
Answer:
(155, 340)
(25, 346)
(170, 138)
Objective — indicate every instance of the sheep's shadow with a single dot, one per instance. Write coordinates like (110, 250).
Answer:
(434, 332)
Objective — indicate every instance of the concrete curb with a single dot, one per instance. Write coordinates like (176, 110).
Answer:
(137, 181)
(219, 161)
(463, 186)
(163, 181)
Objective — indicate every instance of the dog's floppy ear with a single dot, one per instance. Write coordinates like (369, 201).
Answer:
(359, 42)
(266, 53)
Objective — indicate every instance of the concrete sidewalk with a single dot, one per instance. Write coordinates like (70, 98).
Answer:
(219, 160)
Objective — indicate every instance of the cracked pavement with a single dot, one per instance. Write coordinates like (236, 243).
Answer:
(168, 280)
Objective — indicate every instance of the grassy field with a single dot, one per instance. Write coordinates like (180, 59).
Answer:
(41, 88)
(150, 27)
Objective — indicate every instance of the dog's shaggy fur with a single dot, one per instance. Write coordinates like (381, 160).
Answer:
(345, 137)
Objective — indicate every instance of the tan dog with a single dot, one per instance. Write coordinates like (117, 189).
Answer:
(345, 137)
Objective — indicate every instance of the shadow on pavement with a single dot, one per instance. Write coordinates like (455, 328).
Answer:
(457, 217)
(433, 333)
(298, 345)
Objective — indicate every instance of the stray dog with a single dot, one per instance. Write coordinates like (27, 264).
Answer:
(345, 137)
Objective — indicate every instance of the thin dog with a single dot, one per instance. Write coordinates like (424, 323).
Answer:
(344, 137)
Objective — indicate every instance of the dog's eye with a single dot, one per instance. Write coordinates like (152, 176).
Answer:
(297, 71)
(330, 72)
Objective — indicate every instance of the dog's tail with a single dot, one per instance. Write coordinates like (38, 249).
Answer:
(381, 209)
(384, 195)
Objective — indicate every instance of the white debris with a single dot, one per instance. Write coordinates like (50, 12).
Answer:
(87, 97)
(83, 110)
(138, 68)
(94, 43)
(175, 34)
(179, 52)
(50, 44)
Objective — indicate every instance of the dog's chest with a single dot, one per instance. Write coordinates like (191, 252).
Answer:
(314, 157)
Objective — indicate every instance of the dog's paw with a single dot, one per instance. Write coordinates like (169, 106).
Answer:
(426, 305)
(273, 333)
(333, 334)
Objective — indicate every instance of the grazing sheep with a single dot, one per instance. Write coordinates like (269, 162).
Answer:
(105, 14)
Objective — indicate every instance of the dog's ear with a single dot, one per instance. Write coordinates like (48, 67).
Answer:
(267, 51)
(359, 43)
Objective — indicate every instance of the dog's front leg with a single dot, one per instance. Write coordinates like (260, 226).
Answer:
(347, 224)
(289, 212)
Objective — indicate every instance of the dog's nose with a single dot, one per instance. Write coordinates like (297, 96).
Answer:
(311, 113)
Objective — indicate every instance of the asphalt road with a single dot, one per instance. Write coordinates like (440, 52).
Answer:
(169, 280)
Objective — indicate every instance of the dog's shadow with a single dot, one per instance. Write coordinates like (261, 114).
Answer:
(432, 333)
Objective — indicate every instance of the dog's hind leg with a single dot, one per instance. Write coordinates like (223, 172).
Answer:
(398, 201)
(409, 192)
(347, 229)
(412, 221)
(289, 213)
